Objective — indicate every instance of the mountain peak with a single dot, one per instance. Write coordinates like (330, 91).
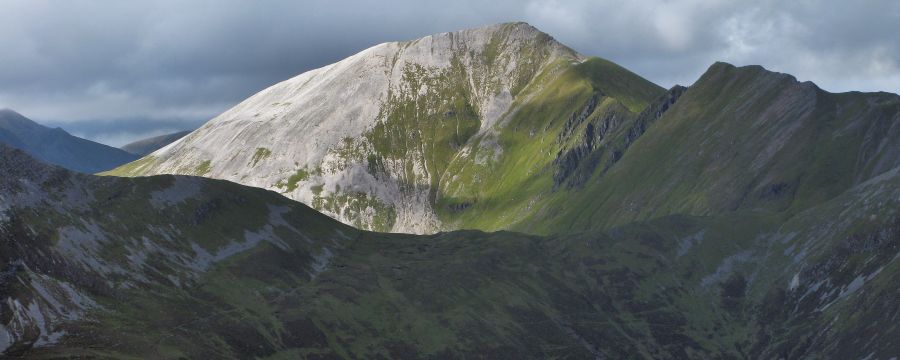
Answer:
(721, 66)
(519, 26)
(16, 122)
(522, 35)
(722, 73)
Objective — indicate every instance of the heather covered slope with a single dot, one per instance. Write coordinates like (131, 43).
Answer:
(55, 146)
(171, 267)
(402, 135)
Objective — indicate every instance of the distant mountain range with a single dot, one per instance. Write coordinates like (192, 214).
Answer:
(747, 215)
(149, 145)
(56, 146)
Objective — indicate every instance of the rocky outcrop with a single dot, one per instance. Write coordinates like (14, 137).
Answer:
(604, 139)
(651, 115)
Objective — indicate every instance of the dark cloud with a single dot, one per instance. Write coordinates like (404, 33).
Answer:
(139, 65)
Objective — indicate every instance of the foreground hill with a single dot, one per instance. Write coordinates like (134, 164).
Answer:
(395, 138)
(145, 146)
(173, 266)
(55, 146)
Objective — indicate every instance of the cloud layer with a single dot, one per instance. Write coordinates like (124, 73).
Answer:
(116, 70)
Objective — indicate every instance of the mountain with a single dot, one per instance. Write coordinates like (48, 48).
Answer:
(579, 144)
(145, 146)
(185, 267)
(739, 138)
(407, 136)
(55, 146)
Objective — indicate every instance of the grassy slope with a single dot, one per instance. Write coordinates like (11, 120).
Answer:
(508, 175)
(746, 138)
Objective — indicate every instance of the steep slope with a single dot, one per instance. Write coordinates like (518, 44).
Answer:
(55, 146)
(397, 137)
(145, 146)
(738, 138)
(173, 267)
(81, 251)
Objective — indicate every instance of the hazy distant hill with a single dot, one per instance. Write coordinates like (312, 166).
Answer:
(56, 146)
(145, 146)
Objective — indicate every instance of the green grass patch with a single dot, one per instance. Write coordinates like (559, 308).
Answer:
(294, 180)
(259, 155)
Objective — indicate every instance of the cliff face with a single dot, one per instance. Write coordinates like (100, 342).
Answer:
(370, 140)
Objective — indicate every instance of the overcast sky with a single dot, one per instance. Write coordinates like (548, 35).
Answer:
(114, 71)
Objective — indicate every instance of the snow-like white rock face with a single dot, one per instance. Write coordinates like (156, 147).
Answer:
(306, 137)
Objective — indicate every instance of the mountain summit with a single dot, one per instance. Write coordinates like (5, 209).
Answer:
(395, 137)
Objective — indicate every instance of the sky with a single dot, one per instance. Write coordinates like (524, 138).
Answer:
(117, 71)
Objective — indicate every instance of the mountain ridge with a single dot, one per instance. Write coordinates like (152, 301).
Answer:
(148, 145)
(433, 161)
(747, 137)
(58, 146)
